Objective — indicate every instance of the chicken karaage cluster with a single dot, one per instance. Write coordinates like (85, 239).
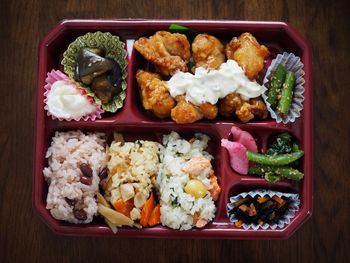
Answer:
(156, 98)
(208, 51)
(248, 53)
(244, 110)
(186, 112)
(154, 94)
(168, 52)
(171, 53)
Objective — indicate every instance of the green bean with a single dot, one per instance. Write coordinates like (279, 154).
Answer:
(277, 80)
(295, 147)
(278, 159)
(274, 173)
(272, 178)
(286, 94)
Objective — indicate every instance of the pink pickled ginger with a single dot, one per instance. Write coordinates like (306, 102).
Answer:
(244, 138)
(238, 156)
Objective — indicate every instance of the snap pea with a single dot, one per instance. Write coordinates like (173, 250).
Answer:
(191, 64)
(286, 94)
(190, 33)
(275, 173)
(278, 159)
(277, 80)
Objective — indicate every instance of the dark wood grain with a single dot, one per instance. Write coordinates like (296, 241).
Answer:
(323, 238)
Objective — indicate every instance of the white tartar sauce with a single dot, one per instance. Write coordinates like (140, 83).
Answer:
(65, 101)
(210, 85)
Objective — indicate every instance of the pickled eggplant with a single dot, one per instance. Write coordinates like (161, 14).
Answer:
(102, 75)
(102, 88)
(90, 65)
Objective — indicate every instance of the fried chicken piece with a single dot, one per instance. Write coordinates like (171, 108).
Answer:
(209, 111)
(248, 53)
(253, 107)
(185, 112)
(229, 104)
(258, 108)
(208, 51)
(169, 52)
(154, 94)
(244, 110)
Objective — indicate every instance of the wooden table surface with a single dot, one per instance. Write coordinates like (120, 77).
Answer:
(323, 238)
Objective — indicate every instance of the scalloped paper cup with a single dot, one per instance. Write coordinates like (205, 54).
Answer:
(294, 64)
(56, 75)
(294, 207)
(114, 48)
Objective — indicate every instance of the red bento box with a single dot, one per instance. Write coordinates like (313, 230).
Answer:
(136, 124)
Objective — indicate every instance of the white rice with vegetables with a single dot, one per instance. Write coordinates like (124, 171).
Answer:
(132, 167)
(185, 163)
(75, 161)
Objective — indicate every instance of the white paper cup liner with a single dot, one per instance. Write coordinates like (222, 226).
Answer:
(281, 223)
(294, 64)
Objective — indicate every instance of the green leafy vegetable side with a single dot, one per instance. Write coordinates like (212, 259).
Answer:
(280, 161)
(282, 144)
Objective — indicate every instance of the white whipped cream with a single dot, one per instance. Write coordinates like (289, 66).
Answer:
(210, 85)
(65, 101)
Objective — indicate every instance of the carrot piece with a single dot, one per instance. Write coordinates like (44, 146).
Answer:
(154, 219)
(252, 210)
(263, 199)
(239, 223)
(278, 199)
(281, 204)
(244, 208)
(124, 207)
(119, 205)
(147, 210)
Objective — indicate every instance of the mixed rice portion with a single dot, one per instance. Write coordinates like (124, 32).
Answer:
(188, 186)
(132, 167)
(75, 161)
(143, 183)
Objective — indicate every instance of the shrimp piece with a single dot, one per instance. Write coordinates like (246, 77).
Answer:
(199, 222)
(197, 166)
